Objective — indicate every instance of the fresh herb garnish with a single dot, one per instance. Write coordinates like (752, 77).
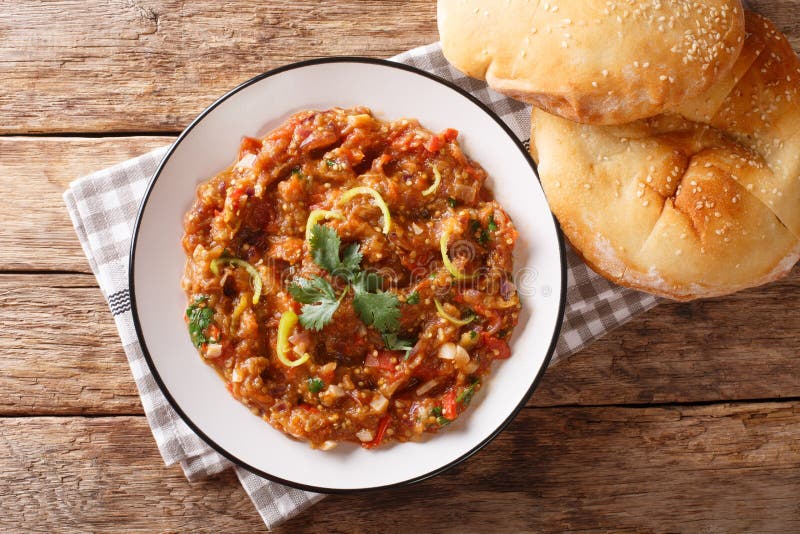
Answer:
(393, 342)
(297, 171)
(319, 301)
(474, 226)
(466, 396)
(492, 225)
(199, 316)
(413, 298)
(380, 310)
(451, 202)
(473, 334)
(315, 385)
(373, 306)
(442, 420)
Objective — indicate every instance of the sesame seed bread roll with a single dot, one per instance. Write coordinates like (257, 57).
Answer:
(594, 61)
(693, 204)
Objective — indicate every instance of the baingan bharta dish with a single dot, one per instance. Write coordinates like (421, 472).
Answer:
(350, 279)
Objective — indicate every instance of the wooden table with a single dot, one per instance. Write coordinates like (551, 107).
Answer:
(687, 419)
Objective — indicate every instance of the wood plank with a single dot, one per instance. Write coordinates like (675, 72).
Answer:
(34, 172)
(692, 469)
(105, 474)
(153, 65)
(60, 349)
(706, 468)
(53, 363)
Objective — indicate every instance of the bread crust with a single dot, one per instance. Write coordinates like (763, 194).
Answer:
(698, 202)
(594, 61)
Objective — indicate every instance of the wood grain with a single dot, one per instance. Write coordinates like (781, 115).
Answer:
(709, 468)
(105, 475)
(34, 172)
(61, 353)
(153, 65)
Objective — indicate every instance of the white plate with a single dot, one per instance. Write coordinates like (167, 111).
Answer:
(209, 145)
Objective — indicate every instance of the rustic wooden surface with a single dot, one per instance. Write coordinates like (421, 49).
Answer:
(686, 419)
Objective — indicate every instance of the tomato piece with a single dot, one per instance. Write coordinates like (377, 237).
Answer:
(498, 347)
(249, 145)
(383, 360)
(449, 408)
(383, 424)
(435, 144)
(449, 134)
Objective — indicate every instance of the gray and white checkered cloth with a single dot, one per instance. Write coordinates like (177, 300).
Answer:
(103, 209)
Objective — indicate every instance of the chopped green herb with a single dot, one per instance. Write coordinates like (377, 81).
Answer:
(299, 173)
(474, 226)
(393, 342)
(483, 238)
(473, 334)
(318, 299)
(381, 310)
(413, 298)
(437, 411)
(373, 306)
(315, 385)
(451, 202)
(199, 316)
(492, 225)
(330, 163)
(466, 396)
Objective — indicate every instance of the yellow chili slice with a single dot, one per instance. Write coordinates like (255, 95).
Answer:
(437, 179)
(317, 215)
(387, 217)
(285, 327)
(239, 309)
(444, 315)
(452, 269)
(252, 271)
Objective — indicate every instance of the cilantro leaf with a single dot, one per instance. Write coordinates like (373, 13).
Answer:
(381, 310)
(199, 316)
(325, 245)
(393, 342)
(316, 316)
(307, 291)
(366, 282)
(319, 301)
(351, 260)
(413, 298)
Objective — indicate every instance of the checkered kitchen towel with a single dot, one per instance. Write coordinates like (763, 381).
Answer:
(103, 208)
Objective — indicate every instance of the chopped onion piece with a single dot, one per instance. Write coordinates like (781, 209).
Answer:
(247, 161)
(426, 387)
(387, 217)
(462, 357)
(379, 403)
(447, 351)
(365, 435)
(328, 445)
(213, 350)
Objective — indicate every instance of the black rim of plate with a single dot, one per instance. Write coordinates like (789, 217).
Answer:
(132, 263)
